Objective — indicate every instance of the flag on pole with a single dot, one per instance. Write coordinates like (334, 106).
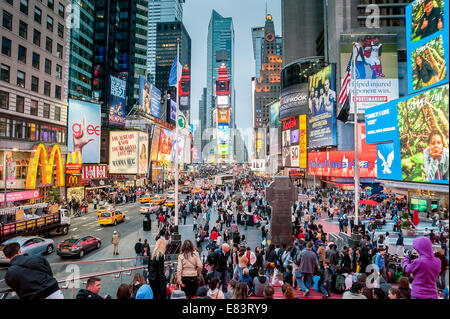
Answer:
(345, 84)
(175, 72)
(345, 110)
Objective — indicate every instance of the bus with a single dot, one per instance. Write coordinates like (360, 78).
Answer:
(223, 180)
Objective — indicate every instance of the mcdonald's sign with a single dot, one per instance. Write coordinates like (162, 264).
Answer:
(73, 180)
(41, 155)
(73, 163)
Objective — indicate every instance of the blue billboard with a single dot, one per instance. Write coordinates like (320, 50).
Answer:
(84, 130)
(413, 137)
(427, 28)
(117, 100)
(149, 98)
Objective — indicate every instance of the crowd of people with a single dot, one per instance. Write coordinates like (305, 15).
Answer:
(220, 264)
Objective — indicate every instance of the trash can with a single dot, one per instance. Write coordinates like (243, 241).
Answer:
(147, 224)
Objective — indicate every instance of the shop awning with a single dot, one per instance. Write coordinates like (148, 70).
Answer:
(423, 186)
(339, 184)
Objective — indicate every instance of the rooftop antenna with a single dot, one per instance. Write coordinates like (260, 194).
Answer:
(266, 8)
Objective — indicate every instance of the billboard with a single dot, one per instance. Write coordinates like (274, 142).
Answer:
(321, 103)
(294, 101)
(94, 171)
(149, 98)
(258, 165)
(427, 43)
(413, 145)
(173, 110)
(123, 152)
(303, 142)
(376, 67)
(143, 153)
(223, 101)
(223, 116)
(294, 142)
(185, 88)
(275, 128)
(341, 164)
(165, 145)
(117, 100)
(155, 144)
(84, 130)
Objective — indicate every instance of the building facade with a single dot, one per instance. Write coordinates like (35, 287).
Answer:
(159, 11)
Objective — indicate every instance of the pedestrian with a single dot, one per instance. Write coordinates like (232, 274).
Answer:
(138, 248)
(92, 290)
(355, 292)
(123, 292)
(115, 241)
(30, 276)
(444, 264)
(219, 258)
(307, 263)
(214, 292)
(156, 271)
(189, 268)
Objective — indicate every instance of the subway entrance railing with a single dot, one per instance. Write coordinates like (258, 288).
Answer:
(72, 276)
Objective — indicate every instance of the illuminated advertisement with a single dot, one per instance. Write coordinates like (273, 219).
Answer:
(414, 145)
(223, 116)
(50, 160)
(341, 164)
(222, 84)
(321, 103)
(94, 171)
(303, 142)
(84, 129)
(223, 149)
(178, 148)
(376, 68)
(149, 98)
(294, 101)
(155, 144)
(165, 145)
(173, 110)
(117, 100)
(275, 128)
(143, 153)
(223, 101)
(185, 88)
(258, 165)
(427, 43)
(123, 152)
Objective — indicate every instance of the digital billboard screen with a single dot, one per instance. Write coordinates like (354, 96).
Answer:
(149, 98)
(117, 101)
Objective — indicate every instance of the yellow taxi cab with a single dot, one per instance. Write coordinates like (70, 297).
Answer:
(144, 198)
(111, 218)
(170, 202)
(196, 190)
(186, 189)
(157, 200)
(105, 208)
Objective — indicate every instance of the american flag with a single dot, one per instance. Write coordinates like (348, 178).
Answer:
(344, 90)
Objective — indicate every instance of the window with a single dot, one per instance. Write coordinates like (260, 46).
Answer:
(23, 29)
(46, 111)
(51, 4)
(7, 20)
(57, 113)
(36, 60)
(24, 6)
(4, 100)
(37, 37)
(50, 23)
(48, 44)
(61, 10)
(6, 46)
(34, 84)
(34, 107)
(59, 51)
(20, 103)
(58, 72)
(22, 54)
(46, 88)
(37, 15)
(48, 66)
(21, 79)
(58, 92)
(4, 73)
(60, 30)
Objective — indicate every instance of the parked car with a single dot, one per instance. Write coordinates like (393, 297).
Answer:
(111, 218)
(78, 246)
(32, 245)
(148, 207)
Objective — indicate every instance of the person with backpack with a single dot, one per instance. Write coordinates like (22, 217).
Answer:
(219, 260)
(339, 283)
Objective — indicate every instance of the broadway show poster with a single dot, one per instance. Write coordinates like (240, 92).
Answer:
(424, 136)
(123, 152)
(143, 153)
(427, 29)
(149, 98)
(321, 103)
(117, 101)
(376, 68)
(155, 144)
(165, 145)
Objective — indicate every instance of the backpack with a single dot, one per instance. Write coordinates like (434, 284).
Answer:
(340, 283)
(297, 257)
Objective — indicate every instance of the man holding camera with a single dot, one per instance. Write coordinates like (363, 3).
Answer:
(424, 267)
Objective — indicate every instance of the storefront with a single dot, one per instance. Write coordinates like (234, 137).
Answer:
(76, 193)
(96, 187)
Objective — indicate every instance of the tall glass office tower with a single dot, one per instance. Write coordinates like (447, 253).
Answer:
(159, 11)
(220, 38)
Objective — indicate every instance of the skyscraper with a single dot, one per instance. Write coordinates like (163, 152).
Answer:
(81, 46)
(220, 38)
(159, 11)
(258, 40)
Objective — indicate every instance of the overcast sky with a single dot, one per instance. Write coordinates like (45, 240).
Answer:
(246, 15)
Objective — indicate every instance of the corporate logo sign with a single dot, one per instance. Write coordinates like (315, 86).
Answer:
(84, 129)
(294, 101)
